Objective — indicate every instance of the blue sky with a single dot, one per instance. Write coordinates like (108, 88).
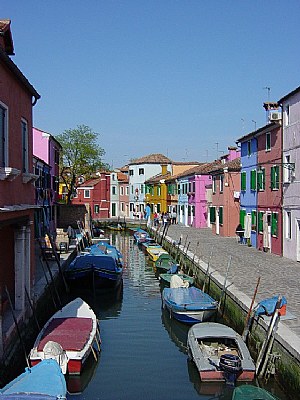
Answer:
(182, 78)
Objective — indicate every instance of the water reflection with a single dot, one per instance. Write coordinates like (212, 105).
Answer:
(76, 384)
(177, 331)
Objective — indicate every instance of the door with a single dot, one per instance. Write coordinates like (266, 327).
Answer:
(113, 209)
(298, 239)
(217, 221)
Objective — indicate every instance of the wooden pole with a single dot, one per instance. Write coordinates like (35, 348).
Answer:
(207, 271)
(17, 326)
(224, 284)
(48, 283)
(248, 319)
(32, 309)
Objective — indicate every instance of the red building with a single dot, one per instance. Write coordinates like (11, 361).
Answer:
(95, 194)
(225, 209)
(17, 193)
(269, 188)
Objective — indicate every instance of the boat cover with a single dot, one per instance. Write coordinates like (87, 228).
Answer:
(89, 261)
(267, 306)
(71, 333)
(250, 392)
(190, 298)
(43, 381)
(177, 282)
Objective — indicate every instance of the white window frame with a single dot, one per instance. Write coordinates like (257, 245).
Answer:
(221, 183)
(121, 190)
(113, 190)
(287, 175)
(86, 194)
(96, 209)
(288, 225)
(268, 135)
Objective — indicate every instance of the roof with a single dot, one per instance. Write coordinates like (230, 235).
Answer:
(289, 95)
(18, 74)
(122, 177)
(151, 159)
(233, 165)
(186, 162)
(260, 131)
(157, 178)
(202, 169)
(5, 32)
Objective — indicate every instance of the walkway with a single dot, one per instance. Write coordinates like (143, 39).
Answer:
(278, 275)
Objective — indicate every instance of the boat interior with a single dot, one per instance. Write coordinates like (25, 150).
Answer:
(216, 347)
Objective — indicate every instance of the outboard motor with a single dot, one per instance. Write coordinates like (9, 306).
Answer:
(232, 367)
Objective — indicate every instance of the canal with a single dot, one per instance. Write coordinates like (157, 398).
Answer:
(143, 352)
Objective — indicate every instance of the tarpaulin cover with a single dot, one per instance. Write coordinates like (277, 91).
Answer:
(267, 306)
(250, 392)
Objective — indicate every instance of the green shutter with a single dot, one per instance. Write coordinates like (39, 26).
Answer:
(242, 218)
(260, 221)
(261, 179)
(277, 177)
(243, 181)
(253, 180)
(272, 178)
(274, 224)
(221, 215)
(253, 220)
(212, 215)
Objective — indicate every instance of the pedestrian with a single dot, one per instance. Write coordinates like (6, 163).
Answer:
(239, 231)
(173, 216)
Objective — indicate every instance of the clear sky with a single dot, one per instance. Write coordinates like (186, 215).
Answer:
(182, 78)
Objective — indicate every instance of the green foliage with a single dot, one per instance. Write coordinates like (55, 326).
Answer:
(81, 155)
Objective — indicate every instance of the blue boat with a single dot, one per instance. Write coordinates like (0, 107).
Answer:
(141, 236)
(106, 248)
(45, 381)
(189, 305)
(102, 270)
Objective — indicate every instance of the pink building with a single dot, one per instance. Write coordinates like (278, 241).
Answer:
(47, 149)
(123, 181)
(17, 203)
(95, 195)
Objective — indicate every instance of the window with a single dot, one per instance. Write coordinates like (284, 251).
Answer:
(212, 215)
(287, 169)
(86, 193)
(158, 207)
(131, 172)
(141, 171)
(221, 183)
(268, 141)
(221, 215)
(190, 187)
(121, 191)
(96, 208)
(142, 189)
(158, 190)
(242, 218)
(243, 181)
(253, 220)
(127, 190)
(287, 114)
(261, 179)
(122, 207)
(260, 223)
(214, 184)
(249, 147)
(253, 179)
(288, 225)
(56, 156)
(113, 177)
(131, 189)
(178, 188)
(3, 136)
(275, 177)
(194, 187)
(274, 224)
(25, 154)
(113, 190)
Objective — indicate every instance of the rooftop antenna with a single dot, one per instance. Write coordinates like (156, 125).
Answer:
(254, 124)
(243, 125)
(217, 144)
(268, 89)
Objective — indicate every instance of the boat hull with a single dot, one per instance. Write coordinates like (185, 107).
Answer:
(219, 376)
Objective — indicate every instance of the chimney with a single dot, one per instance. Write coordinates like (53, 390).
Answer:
(164, 169)
(234, 152)
(6, 42)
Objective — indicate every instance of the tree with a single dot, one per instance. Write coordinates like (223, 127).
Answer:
(81, 156)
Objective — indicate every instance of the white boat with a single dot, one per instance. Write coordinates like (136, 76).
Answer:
(69, 337)
(220, 354)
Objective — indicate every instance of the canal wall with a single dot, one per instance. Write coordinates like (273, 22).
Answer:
(234, 309)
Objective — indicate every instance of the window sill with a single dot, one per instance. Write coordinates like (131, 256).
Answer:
(9, 173)
(28, 177)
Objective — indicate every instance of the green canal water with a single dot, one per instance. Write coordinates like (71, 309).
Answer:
(143, 352)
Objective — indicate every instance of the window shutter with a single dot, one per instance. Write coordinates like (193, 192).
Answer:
(253, 220)
(253, 180)
(277, 177)
(260, 221)
(221, 215)
(274, 224)
(272, 178)
(242, 218)
(212, 215)
(243, 181)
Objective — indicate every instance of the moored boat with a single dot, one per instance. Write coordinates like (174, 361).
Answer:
(189, 305)
(141, 236)
(250, 392)
(166, 278)
(165, 262)
(44, 381)
(68, 337)
(219, 353)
